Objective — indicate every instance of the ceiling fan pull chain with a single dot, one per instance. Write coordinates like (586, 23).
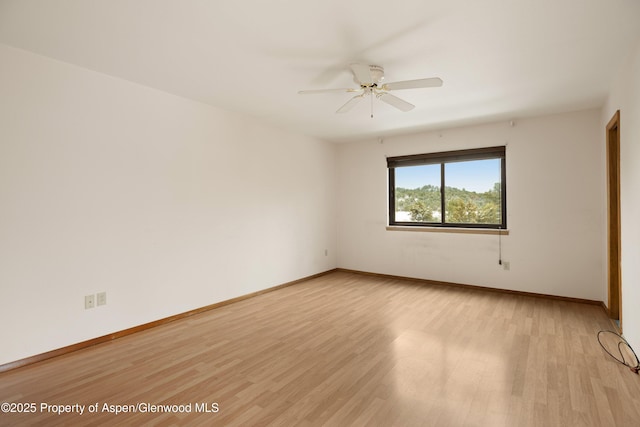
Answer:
(371, 96)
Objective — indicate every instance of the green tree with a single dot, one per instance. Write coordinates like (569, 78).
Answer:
(420, 212)
(461, 211)
(462, 206)
(489, 214)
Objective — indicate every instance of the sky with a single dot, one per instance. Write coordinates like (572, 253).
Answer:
(477, 175)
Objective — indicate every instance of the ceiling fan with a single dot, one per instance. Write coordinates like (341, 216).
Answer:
(369, 78)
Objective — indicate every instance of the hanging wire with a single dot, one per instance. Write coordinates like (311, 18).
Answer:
(500, 245)
(634, 366)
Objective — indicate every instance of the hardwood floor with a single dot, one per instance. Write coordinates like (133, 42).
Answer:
(348, 349)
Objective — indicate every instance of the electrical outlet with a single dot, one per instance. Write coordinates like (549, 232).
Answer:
(326, 252)
(89, 301)
(506, 265)
(102, 298)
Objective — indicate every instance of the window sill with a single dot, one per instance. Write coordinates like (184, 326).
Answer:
(448, 230)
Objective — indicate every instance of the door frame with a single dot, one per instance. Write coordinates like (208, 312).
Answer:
(614, 272)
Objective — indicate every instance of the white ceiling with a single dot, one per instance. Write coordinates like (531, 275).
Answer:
(499, 59)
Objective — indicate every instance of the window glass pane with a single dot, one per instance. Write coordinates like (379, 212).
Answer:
(417, 193)
(473, 192)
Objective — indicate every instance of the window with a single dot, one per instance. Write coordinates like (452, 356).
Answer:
(451, 189)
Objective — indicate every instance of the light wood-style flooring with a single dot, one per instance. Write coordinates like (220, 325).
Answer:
(347, 349)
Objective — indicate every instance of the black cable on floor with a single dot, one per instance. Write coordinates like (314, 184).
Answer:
(621, 342)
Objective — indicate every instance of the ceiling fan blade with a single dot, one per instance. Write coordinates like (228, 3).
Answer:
(341, 90)
(350, 104)
(362, 73)
(396, 102)
(413, 84)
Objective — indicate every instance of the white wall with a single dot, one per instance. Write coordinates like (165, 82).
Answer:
(554, 199)
(164, 203)
(625, 96)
